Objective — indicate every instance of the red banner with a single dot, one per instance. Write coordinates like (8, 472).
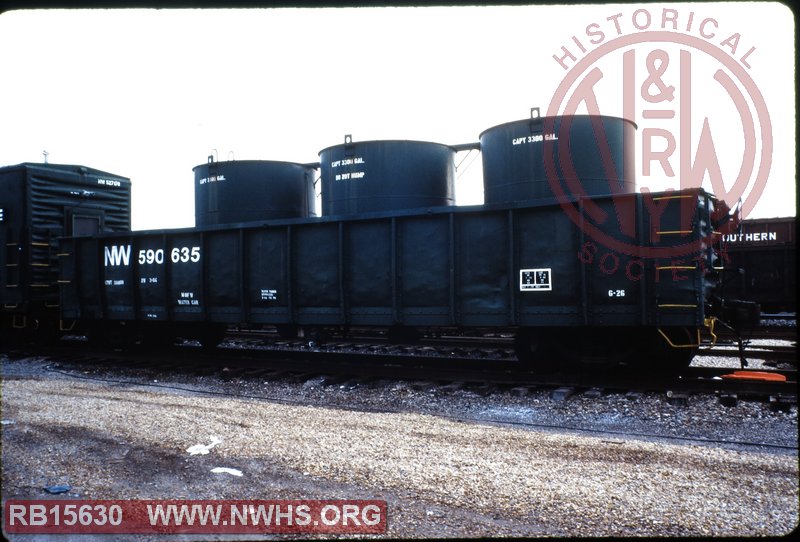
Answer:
(72, 516)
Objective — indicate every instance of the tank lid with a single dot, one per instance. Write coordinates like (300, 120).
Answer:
(540, 120)
(312, 165)
(348, 140)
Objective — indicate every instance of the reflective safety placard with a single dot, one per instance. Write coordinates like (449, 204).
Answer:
(535, 280)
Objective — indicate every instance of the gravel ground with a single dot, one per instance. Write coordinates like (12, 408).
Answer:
(450, 461)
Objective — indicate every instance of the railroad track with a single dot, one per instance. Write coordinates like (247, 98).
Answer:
(773, 355)
(784, 332)
(496, 348)
(445, 365)
(772, 327)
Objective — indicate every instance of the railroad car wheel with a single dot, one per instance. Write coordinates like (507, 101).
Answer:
(402, 335)
(14, 333)
(286, 331)
(45, 331)
(316, 336)
(94, 334)
(212, 335)
(530, 347)
(111, 335)
(593, 348)
(587, 348)
(157, 336)
(37, 330)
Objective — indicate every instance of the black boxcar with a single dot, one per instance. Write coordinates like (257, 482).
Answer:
(763, 254)
(38, 204)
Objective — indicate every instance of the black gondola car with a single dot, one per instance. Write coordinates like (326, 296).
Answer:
(38, 204)
(502, 266)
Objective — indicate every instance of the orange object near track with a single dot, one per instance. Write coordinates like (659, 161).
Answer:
(756, 375)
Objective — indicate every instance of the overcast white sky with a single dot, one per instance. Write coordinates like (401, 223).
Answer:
(148, 94)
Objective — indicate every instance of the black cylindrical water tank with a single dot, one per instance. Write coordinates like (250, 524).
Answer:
(585, 154)
(367, 176)
(252, 190)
